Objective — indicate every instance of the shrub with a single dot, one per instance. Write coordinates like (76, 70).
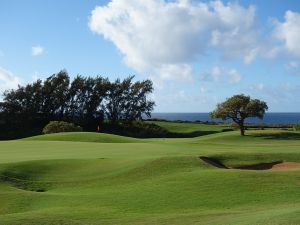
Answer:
(136, 129)
(60, 126)
(297, 127)
(145, 129)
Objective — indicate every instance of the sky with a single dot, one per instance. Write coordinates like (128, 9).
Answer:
(197, 53)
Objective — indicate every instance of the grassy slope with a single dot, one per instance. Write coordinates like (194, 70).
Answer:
(158, 182)
(187, 127)
(83, 137)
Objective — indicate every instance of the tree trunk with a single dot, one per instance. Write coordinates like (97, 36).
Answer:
(242, 128)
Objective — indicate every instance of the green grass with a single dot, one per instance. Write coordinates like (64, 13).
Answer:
(189, 129)
(83, 137)
(88, 178)
(183, 127)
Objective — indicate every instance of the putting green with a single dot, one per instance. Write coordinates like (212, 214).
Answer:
(88, 178)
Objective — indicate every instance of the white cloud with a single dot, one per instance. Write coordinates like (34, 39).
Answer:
(165, 37)
(281, 95)
(235, 76)
(235, 32)
(215, 74)
(179, 100)
(218, 74)
(37, 50)
(251, 55)
(175, 72)
(288, 33)
(293, 64)
(8, 80)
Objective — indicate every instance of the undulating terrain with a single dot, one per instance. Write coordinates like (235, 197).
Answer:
(89, 178)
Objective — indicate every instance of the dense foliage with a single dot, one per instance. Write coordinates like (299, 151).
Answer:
(60, 126)
(238, 108)
(137, 129)
(85, 101)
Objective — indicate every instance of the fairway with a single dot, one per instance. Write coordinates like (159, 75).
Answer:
(89, 178)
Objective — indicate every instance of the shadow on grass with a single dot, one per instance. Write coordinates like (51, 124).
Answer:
(22, 182)
(139, 129)
(259, 166)
(190, 134)
(279, 136)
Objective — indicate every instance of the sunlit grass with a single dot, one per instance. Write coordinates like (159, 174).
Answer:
(89, 178)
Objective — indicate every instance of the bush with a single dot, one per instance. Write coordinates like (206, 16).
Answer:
(141, 129)
(297, 127)
(60, 126)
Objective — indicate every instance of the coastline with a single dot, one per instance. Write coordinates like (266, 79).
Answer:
(270, 118)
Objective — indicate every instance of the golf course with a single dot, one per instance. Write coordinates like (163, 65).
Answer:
(154, 112)
(84, 178)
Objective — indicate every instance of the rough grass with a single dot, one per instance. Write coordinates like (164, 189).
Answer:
(160, 181)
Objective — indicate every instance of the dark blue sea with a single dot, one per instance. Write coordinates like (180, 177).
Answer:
(270, 118)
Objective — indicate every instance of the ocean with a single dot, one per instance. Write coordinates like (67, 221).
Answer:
(270, 118)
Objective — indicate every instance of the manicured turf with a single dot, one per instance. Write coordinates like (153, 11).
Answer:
(188, 129)
(83, 137)
(152, 181)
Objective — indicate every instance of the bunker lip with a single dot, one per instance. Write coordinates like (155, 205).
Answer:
(277, 165)
(213, 162)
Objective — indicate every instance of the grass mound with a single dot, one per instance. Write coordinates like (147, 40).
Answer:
(83, 137)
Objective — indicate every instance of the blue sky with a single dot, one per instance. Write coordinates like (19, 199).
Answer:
(197, 53)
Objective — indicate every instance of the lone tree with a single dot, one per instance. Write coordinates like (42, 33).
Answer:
(238, 108)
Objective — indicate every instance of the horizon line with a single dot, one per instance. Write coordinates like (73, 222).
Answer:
(209, 112)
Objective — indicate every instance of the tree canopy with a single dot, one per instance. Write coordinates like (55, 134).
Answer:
(85, 101)
(238, 108)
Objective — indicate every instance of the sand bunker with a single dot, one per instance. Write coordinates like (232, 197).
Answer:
(286, 166)
(277, 165)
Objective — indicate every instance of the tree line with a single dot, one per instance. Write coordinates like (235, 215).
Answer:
(86, 101)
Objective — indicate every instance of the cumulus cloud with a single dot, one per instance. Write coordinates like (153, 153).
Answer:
(37, 50)
(235, 32)
(288, 33)
(219, 74)
(164, 38)
(180, 100)
(175, 71)
(8, 80)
